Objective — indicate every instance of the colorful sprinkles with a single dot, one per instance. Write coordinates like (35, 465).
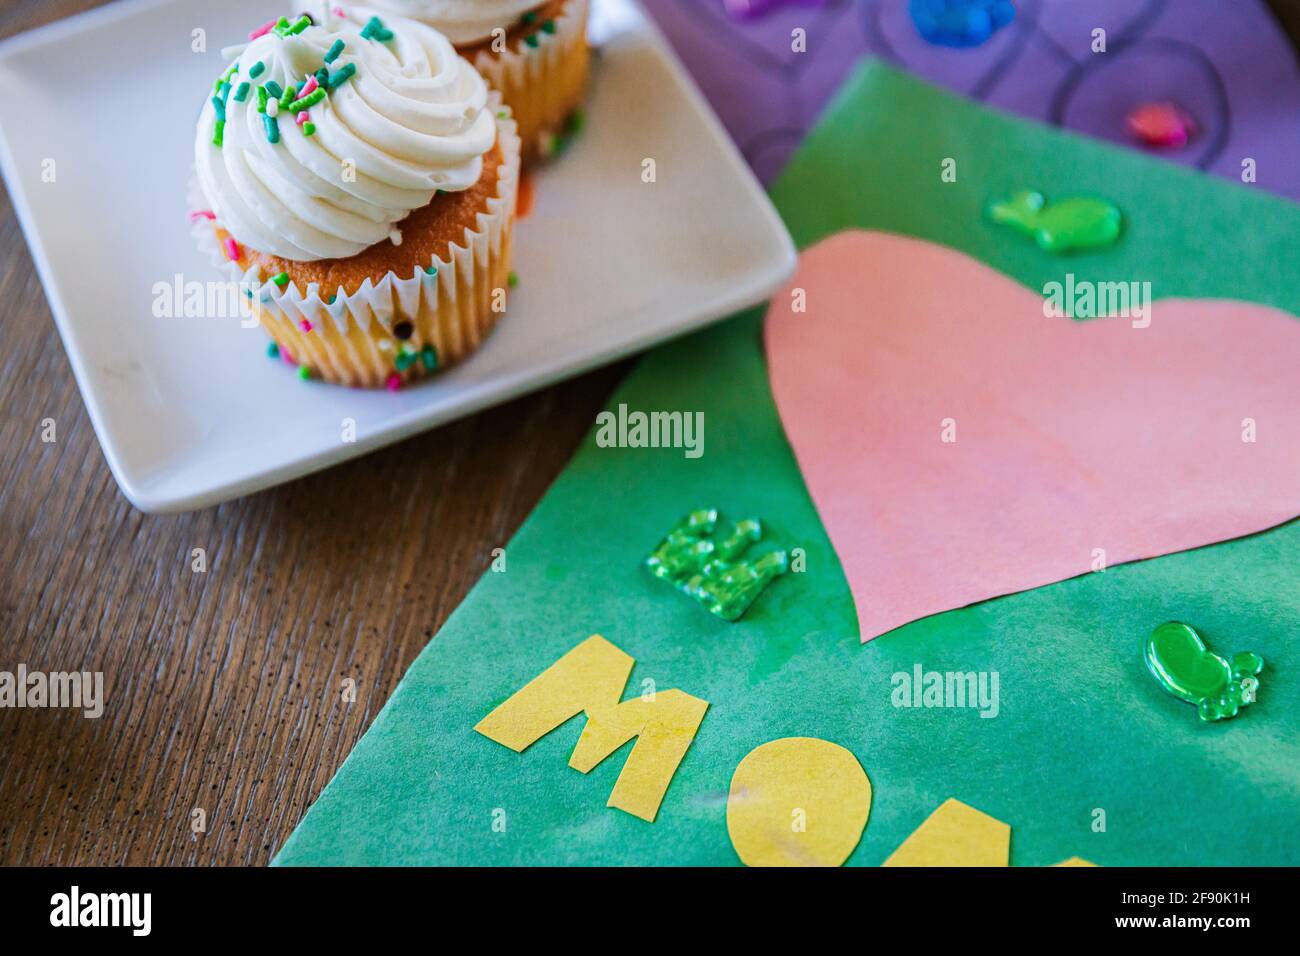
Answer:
(273, 351)
(405, 359)
(341, 76)
(529, 19)
(554, 144)
(272, 99)
(375, 30)
(307, 102)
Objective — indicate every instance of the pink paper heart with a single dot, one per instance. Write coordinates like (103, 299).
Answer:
(1070, 435)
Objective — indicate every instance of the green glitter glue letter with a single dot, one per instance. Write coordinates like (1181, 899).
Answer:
(1073, 224)
(711, 570)
(1184, 666)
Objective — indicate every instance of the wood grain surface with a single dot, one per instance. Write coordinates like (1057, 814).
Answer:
(224, 688)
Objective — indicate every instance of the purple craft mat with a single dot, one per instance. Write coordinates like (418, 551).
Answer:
(1226, 62)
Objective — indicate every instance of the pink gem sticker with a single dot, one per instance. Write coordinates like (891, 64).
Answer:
(1162, 125)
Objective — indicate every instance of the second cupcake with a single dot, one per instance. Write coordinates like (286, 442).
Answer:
(533, 51)
(358, 178)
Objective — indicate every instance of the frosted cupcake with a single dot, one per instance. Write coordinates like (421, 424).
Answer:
(534, 52)
(358, 178)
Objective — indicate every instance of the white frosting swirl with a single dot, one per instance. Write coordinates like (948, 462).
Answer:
(463, 21)
(412, 120)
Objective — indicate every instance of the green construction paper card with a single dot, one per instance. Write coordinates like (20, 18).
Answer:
(1083, 735)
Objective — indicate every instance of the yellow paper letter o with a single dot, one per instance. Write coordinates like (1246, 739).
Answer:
(798, 801)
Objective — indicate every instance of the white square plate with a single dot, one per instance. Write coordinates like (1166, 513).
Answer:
(189, 411)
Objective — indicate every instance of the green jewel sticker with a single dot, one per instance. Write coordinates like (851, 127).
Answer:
(1184, 666)
(711, 570)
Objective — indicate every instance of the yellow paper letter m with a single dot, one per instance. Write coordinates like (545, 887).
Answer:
(591, 678)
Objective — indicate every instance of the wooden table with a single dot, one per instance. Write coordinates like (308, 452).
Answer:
(224, 688)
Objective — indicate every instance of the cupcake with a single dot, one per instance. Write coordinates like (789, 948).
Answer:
(534, 52)
(357, 177)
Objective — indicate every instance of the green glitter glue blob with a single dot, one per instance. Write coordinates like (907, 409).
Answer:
(1070, 225)
(1184, 666)
(712, 570)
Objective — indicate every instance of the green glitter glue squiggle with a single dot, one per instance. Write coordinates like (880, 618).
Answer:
(711, 570)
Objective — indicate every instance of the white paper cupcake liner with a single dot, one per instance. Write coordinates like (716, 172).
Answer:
(544, 84)
(351, 340)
